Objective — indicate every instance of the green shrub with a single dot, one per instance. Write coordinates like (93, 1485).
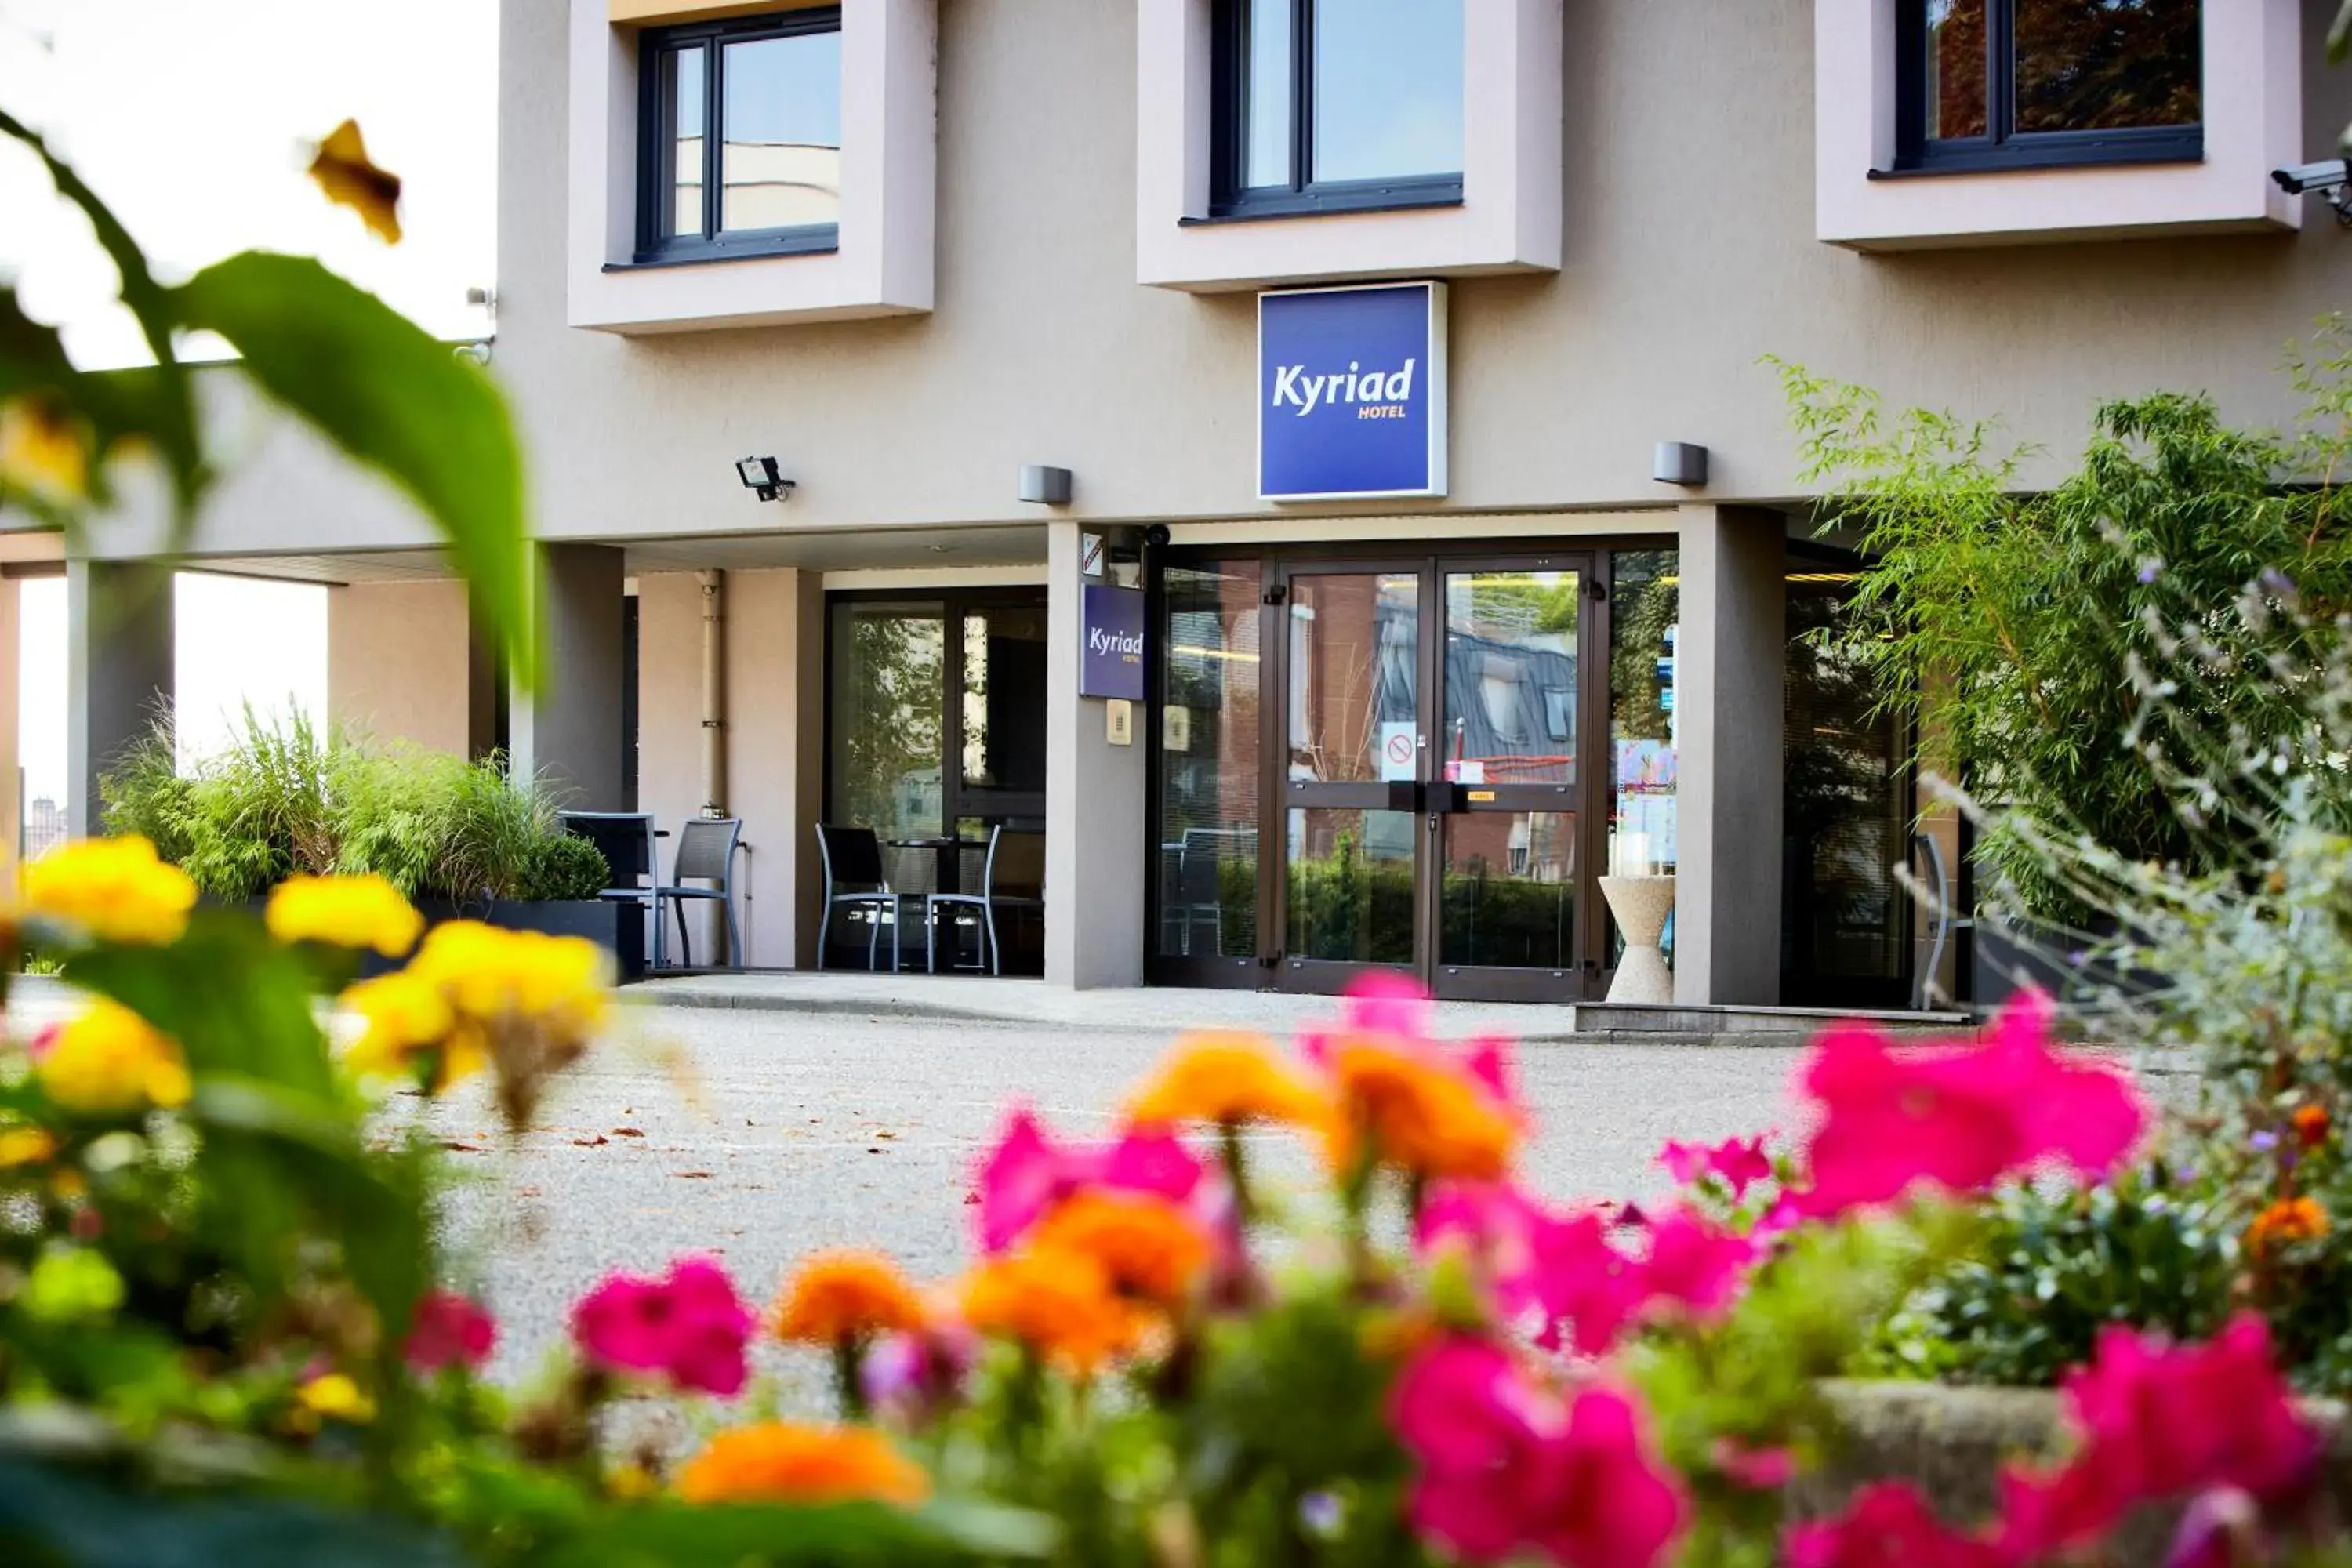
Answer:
(567, 866)
(2051, 1268)
(239, 820)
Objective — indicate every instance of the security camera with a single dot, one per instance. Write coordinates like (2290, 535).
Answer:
(2330, 178)
(1156, 536)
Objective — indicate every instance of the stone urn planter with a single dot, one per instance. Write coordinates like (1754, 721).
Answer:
(1640, 905)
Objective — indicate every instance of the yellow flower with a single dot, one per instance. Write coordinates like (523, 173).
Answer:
(408, 1018)
(344, 911)
(786, 1461)
(43, 451)
(110, 1061)
(113, 889)
(847, 1295)
(26, 1146)
(350, 179)
(1228, 1076)
(493, 975)
(334, 1397)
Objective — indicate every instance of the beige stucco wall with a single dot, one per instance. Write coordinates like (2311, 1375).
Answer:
(400, 662)
(774, 727)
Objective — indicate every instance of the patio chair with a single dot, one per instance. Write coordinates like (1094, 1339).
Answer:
(1012, 879)
(705, 853)
(626, 839)
(852, 857)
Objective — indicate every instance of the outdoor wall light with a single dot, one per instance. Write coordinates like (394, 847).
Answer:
(1678, 463)
(762, 479)
(1044, 485)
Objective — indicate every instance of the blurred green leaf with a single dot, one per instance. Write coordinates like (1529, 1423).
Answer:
(394, 398)
(849, 1535)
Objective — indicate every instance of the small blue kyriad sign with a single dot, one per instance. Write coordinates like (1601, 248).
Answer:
(1351, 392)
(1111, 653)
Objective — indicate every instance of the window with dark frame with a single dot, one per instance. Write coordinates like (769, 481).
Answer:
(738, 143)
(1336, 106)
(2011, 84)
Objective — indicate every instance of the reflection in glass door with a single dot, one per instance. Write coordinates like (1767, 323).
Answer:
(1354, 743)
(1509, 809)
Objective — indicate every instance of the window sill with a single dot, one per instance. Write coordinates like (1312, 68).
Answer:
(1382, 202)
(2081, 155)
(823, 241)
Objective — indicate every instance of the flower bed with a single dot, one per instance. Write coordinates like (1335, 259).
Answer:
(219, 1296)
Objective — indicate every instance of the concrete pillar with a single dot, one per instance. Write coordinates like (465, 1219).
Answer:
(570, 730)
(775, 756)
(1094, 805)
(1730, 653)
(119, 672)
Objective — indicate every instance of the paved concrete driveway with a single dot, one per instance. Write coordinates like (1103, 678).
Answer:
(756, 1136)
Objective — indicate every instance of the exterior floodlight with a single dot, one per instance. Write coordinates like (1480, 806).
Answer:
(761, 477)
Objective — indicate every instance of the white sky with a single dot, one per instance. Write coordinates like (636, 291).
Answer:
(192, 117)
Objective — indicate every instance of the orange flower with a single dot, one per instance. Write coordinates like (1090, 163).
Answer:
(2310, 1125)
(1146, 1245)
(2287, 1221)
(785, 1461)
(1227, 1076)
(1059, 1304)
(847, 1295)
(1420, 1114)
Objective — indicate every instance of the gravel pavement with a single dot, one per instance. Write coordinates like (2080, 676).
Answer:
(756, 1136)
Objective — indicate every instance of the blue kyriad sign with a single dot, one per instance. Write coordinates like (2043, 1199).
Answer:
(1111, 655)
(1351, 392)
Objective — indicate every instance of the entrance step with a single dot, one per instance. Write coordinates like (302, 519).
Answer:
(1751, 1025)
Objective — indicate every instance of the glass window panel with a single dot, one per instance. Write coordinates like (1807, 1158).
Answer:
(1349, 885)
(1005, 698)
(1209, 757)
(888, 672)
(1354, 676)
(1267, 66)
(1510, 677)
(781, 166)
(1388, 88)
(1955, 68)
(2103, 65)
(685, 119)
(1645, 606)
(1509, 898)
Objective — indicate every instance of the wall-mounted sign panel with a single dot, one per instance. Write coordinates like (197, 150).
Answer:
(1110, 656)
(1351, 392)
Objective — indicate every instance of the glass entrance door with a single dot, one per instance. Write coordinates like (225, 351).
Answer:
(1354, 750)
(1508, 818)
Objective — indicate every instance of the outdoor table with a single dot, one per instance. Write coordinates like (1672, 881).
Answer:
(948, 850)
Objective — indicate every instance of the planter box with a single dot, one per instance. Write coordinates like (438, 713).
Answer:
(618, 928)
(1951, 1443)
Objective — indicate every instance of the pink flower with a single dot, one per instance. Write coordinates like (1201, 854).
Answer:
(1503, 1469)
(1886, 1526)
(1027, 1173)
(449, 1329)
(1557, 1269)
(1758, 1470)
(1740, 1162)
(918, 1376)
(1694, 1264)
(689, 1325)
(2160, 1421)
(1961, 1117)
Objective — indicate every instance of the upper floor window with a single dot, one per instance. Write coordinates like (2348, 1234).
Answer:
(1336, 105)
(740, 144)
(2004, 84)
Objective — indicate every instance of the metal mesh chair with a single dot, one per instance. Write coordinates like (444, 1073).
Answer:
(705, 853)
(1014, 878)
(626, 839)
(852, 857)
